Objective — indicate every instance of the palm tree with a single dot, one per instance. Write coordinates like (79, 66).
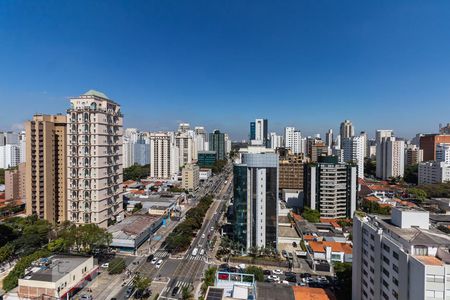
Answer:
(186, 293)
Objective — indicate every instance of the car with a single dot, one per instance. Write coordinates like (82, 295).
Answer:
(159, 263)
(232, 270)
(284, 282)
(223, 276)
(305, 275)
(86, 297)
(267, 272)
(150, 258)
(129, 292)
(291, 279)
(203, 236)
(284, 253)
(202, 251)
(154, 260)
(310, 280)
(194, 252)
(273, 278)
(301, 283)
(290, 273)
(105, 265)
(277, 272)
(175, 291)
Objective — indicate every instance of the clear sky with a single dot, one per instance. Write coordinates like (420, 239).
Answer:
(221, 64)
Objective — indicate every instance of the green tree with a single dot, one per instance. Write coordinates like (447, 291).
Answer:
(116, 266)
(444, 229)
(136, 172)
(311, 215)
(257, 271)
(417, 193)
(6, 252)
(370, 166)
(141, 284)
(208, 279)
(2, 176)
(7, 234)
(411, 174)
(186, 293)
(343, 273)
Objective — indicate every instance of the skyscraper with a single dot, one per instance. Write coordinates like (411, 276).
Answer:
(256, 199)
(95, 173)
(164, 163)
(347, 130)
(276, 140)
(329, 138)
(354, 152)
(390, 155)
(46, 167)
(293, 140)
(331, 188)
(262, 131)
(217, 143)
(252, 135)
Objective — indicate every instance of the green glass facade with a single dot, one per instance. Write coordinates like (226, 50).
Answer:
(206, 159)
(217, 143)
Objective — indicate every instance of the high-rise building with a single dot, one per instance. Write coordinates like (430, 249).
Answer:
(262, 131)
(346, 130)
(201, 138)
(390, 155)
(365, 143)
(293, 140)
(276, 140)
(252, 135)
(46, 167)
(354, 152)
(217, 143)
(190, 177)
(142, 149)
(331, 187)
(428, 143)
(256, 199)
(9, 156)
(185, 144)
(399, 258)
(316, 148)
(95, 172)
(22, 146)
(183, 127)
(430, 172)
(164, 163)
(413, 155)
(329, 138)
(290, 170)
(15, 183)
(443, 152)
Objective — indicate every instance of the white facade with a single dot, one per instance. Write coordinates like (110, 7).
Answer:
(201, 138)
(443, 152)
(346, 130)
(399, 259)
(293, 140)
(354, 152)
(186, 147)
(261, 130)
(22, 146)
(94, 147)
(329, 138)
(276, 141)
(390, 155)
(433, 172)
(164, 163)
(9, 156)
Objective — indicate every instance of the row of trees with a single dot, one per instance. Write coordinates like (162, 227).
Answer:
(218, 166)
(374, 207)
(180, 238)
(136, 172)
(311, 215)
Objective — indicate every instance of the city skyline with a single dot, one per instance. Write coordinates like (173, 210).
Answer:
(308, 65)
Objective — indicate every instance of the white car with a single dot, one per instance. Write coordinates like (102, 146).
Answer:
(284, 282)
(202, 251)
(154, 261)
(159, 263)
(273, 277)
(277, 272)
(105, 265)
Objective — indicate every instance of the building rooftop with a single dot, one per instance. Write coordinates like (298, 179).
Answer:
(96, 93)
(309, 293)
(132, 226)
(284, 231)
(53, 268)
(430, 260)
(335, 247)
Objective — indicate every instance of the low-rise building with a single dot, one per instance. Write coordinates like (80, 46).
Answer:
(204, 174)
(56, 277)
(433, 172)
(330, 251)
(133, 231)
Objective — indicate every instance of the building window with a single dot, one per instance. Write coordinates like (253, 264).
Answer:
(386, 260)
(385, 284)
(385, 272)
(395, 268)
(386, 248)
(395, 281)
(395, 255)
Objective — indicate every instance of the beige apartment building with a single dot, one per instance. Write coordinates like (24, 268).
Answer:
(15, 183)
(94, 161)
(45, 172)
(190, 177)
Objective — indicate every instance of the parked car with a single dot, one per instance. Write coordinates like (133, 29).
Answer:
(105, 265)
(159, 263)
(291, 278)
(150, 258)
(129, 292)
(154, 260)
(284, 282)
(232, 270)
(223, 276)
(277, 272)
(273, 278)
(290, 273)
(86, 297)
(267, 272)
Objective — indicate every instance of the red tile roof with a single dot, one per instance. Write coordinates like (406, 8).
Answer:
(335, 247)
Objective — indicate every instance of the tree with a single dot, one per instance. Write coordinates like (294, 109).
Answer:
(7, 234)
(6, 252)
(344, 276)
(136, 172)
(141, 284)
(208, 279)
(2, 176)
(417, 193)
(256, 271)
(186, 293)
(444, 229)
(411, 174)
(370, 166)
(311, 215)
(116, 266)
(373, 207)
(137, 207)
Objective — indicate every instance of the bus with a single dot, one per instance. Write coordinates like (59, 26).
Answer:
(194, 252)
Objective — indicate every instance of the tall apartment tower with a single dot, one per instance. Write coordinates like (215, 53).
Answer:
(293, 140)
(354, 152)
(331, 187)
(46, 167)
(163, 155)
(201, 138)
(94, 161)
(346, 130)
(262, 131)
(390, 155)
(256, 199)
(329, 138)
(429, 142)
(399, 257)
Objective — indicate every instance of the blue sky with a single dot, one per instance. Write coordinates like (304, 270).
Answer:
(310, 64)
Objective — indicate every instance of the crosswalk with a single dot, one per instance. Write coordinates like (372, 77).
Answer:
(196, 257)
(180, 284)
(161, 254)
